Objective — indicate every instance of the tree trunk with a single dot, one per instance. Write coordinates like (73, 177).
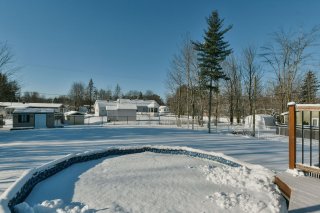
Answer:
(210, 101)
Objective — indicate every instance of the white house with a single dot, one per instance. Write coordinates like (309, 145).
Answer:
(122, 112)
(142, 106)
(153, 108)
(7, 108)
(262, 121)
(100, 107)
(163, 110)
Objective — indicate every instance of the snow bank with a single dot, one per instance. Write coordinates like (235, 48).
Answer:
(52, 206)
(22, 187)
(246, 181)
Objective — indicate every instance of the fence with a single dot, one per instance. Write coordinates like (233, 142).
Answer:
(144, 119)
(1, 121)
(304, 127)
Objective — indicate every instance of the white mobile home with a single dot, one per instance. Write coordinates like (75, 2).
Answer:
(163, 110)
(121, 112)
(153, 108)
(100, 107)
(143, 106)
(7, 108)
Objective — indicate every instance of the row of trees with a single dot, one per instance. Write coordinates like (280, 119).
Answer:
(9, 88)
(259, 80)
(80, 94)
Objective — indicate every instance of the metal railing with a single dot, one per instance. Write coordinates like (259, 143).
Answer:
(302, 129)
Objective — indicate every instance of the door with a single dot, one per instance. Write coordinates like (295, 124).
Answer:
(40, 121)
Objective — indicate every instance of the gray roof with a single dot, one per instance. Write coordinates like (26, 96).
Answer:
(33, 105)
(33, 110)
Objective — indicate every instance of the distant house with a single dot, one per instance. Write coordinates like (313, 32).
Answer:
(284, 118)
(142, 106)
(74, 118)
(153, 108)
(100, 107)
(163, 110)
(7, 108)
(122, 112)
(33, 118)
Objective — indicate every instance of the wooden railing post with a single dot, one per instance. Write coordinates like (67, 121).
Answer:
(292, 135)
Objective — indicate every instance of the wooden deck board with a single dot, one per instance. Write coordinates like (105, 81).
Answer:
(305, 193)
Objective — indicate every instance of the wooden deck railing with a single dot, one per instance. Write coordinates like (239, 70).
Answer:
(312, 110)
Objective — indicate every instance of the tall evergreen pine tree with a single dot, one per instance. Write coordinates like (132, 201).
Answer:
(309, 88)
(211, 53)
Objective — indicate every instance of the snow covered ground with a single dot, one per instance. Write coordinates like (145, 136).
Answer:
(153, 182)
(25, 149)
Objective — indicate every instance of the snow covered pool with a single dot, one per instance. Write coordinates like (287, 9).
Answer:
(154, 182)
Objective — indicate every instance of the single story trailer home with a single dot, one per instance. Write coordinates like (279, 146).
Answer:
(7, 108)
(153, 109)
(100, 107)
(121, 112)
(74, 118)
(262, 121)
(163, 110)
(142, 106)
(33, 118)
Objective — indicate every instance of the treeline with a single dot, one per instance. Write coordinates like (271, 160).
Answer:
(80, 94)
(206, 78)
(9, 88)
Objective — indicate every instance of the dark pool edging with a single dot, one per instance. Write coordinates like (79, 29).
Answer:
(40, 174)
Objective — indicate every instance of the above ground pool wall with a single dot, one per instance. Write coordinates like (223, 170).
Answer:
(20, 190)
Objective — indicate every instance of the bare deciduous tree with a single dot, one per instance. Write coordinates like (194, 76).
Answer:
(285, 56)
(233, 87)
(77, 94)
(9, 88)
(251, 70)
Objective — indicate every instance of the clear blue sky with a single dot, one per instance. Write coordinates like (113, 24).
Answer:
(129, 42)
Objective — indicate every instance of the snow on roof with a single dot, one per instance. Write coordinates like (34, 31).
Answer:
(137, 102)
(33, 105)
(104, 103)
(111, 107)
(153, 105)
(74, 113)
(163, 107)
(33, 110)
(127, 106)
(284, 113)
(121, 106)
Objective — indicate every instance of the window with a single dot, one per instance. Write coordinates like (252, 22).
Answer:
(23, 118)
(315, 122)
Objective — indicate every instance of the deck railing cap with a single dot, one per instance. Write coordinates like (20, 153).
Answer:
(291, 103)
(308, 107)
